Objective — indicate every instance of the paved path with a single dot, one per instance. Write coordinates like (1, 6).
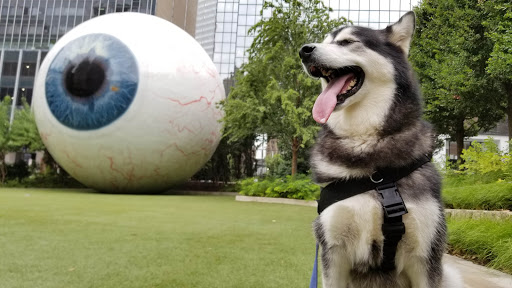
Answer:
(476, 276)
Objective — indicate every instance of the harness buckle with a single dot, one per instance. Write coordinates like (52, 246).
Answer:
(393, 231)
(391, 201)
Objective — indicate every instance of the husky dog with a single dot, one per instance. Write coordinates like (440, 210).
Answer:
(370, 110)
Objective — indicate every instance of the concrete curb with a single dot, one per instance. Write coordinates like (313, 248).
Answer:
(243, 198)
(202, 193)
(478, 214)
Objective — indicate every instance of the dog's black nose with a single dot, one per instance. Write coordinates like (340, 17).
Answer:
(306, 51)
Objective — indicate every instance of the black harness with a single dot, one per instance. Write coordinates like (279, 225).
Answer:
(384, 183)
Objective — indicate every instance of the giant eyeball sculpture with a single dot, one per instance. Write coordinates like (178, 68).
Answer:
(126, 103)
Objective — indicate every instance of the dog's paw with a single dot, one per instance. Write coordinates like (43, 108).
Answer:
(353, 226)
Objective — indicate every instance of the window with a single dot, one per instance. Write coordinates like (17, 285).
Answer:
(242, 10)
(405, 6)
(28, 64)
(9, 69)
(354, 4)
(242, 20)
(384, 16)
(363, 16)
(374, 16)
(28, 69)
(335, 4)
(239, 52)
(229, 7)
(5, 91)
(225, 47)
(239, 62)
(24, 93)
(395, 5)
(394, 16)
(364, 5)
(267, 13)
(251, 20)
(251, 9)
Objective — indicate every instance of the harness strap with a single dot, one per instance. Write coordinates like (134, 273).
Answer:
(392, 228)
(392, 204)
(346, 188)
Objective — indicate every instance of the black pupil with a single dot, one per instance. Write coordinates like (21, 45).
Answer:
(85, 79)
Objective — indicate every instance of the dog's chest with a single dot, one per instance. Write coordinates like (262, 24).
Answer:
(353, 222)
(353, 227)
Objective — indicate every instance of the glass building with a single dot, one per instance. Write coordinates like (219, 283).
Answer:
(29, 28)
(205, 26)
(229, 33)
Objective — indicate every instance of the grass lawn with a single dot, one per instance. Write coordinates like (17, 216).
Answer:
(76, 238)
(486, 241)
(493, 196)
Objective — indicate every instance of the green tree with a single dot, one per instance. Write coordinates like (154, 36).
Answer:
(24, 133)
(484, 158)
(449, 53)
(5, 106)
(231, 160)
(499, 24)
(272, 94)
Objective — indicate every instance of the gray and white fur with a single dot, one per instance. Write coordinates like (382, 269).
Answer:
(379, 126)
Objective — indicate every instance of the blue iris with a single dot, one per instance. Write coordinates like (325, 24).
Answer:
(91, 82)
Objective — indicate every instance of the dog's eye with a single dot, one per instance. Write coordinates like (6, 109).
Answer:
(345, 42)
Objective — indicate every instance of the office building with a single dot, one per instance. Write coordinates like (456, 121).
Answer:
(29, 28)
(233, 19)
(180, 12)
(205, 27)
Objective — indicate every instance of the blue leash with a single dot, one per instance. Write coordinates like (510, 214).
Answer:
(314, 276)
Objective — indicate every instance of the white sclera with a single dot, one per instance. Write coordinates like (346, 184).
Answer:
(170, 129)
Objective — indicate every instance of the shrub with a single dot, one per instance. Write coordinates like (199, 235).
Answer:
(454, 179)
(485, 160)
(254, 187)
(487, 241)
(494, 196)
(276, 165)
(48, 180)
(18, 171)
(299, 187)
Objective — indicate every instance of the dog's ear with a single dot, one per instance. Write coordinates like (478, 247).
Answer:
(401, 32)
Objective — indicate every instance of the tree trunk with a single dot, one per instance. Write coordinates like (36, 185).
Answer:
(249, 162)
(3, 170)
(459, 138)
(295, 151)
(237, 165)
(508, 90)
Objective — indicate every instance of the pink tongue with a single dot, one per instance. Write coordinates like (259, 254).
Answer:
(325, 103)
